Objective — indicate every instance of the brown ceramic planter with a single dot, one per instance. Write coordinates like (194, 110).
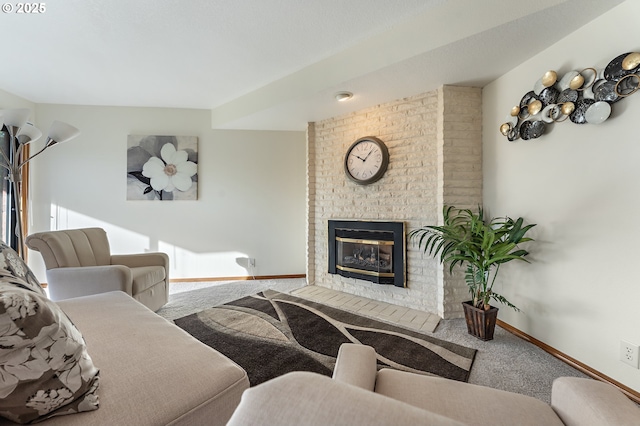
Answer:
(480, 323)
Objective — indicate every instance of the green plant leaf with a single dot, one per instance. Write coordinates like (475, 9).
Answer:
(467, 239)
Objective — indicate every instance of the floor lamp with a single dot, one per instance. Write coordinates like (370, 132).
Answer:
(13, 156)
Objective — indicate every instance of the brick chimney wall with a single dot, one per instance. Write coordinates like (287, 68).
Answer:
(435, 149)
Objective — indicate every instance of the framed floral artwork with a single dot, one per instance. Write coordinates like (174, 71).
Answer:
(162, 167)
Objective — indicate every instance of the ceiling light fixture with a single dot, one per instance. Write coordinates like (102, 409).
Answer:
(343, 96)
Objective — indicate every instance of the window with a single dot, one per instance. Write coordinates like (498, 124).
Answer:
(7, 207)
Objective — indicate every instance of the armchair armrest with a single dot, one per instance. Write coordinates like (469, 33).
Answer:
(141, 259)
(356, 365)
(303, 398)
(65, 283)
(588, 402)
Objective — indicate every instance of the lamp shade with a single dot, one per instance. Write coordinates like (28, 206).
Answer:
(15, 117)
(28, 133)
(61, 132)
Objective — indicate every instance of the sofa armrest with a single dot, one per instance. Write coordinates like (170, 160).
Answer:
(588, 402)
(303, 398)
(356, 365)
(141, 259)
(66, 283)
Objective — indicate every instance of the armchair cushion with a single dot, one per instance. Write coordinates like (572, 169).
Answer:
(65, 283)
(45, 369)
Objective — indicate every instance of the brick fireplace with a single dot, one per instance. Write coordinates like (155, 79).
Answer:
(435, 149)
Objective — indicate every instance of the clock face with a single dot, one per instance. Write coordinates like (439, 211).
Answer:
(366, 160)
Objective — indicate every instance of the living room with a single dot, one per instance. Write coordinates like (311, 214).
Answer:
(576, 182)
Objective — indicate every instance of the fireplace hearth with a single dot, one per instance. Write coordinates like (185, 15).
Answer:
(371, 251)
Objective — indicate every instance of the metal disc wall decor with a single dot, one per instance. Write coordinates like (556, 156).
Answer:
(567, 95)
(582, 97)
(549, 96)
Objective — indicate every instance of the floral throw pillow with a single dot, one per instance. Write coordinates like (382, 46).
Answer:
(13, 269)
(45, 369)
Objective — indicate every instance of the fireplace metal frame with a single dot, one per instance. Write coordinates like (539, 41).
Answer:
(399, 248)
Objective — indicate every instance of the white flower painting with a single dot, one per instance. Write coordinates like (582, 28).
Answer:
(162, 168)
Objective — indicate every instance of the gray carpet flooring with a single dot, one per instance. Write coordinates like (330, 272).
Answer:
(507, 362)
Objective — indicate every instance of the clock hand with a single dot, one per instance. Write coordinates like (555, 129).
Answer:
(367, 156)
(359, 158)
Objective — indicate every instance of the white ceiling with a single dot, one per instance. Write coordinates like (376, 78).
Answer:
(272, 64)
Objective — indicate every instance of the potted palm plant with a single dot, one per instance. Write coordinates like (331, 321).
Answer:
(466, 238)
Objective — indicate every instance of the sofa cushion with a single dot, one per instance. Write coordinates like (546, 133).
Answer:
(464, 402)
(310, 399)
(151, 371)
(14, 270)
(45, 369)
(586, 402)
(145, 277)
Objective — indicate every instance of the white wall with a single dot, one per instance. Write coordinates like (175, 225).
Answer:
(10, 101)
(251, 192)
(581, 185)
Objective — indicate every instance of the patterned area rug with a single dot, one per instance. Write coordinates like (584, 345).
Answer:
(271, 333)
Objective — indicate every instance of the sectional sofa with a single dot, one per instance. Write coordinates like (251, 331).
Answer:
(103, 359)
(359, 394)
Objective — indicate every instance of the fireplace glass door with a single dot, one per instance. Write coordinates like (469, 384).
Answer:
(367, 257)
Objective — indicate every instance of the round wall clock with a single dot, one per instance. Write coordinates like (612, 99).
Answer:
(366, 160)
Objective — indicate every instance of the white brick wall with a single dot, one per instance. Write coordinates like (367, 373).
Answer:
(461, 173)
(434, 142)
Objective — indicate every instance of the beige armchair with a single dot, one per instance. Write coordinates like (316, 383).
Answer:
(79, 263)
